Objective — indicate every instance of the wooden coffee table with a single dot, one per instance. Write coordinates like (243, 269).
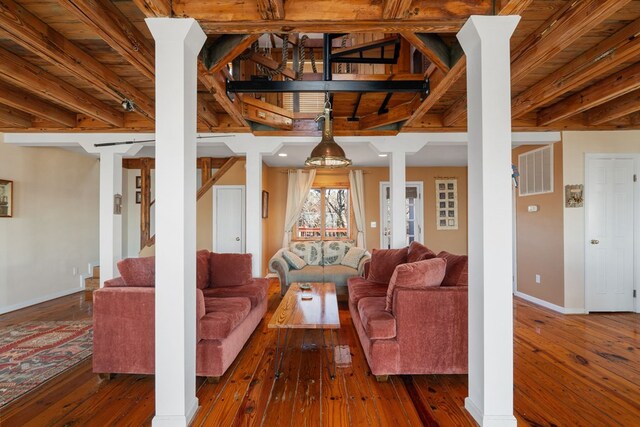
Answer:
(316, 308)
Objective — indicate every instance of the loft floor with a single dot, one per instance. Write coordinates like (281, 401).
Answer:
(569, 370)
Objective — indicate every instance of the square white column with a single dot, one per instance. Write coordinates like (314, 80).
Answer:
(485, 40)
(178, 42)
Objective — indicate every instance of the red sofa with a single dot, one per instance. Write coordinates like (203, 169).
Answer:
(230, 305)
(411, 312)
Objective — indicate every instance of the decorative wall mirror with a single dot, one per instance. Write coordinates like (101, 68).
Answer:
(6, 198)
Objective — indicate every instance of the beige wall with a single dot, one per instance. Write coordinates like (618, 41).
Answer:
(539, 236)
(576, 145)
(55, 224)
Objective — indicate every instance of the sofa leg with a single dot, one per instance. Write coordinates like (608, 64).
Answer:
(213, 380)
(382, 378)
(106, 376)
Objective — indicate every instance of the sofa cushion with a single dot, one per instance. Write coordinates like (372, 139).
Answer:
(256, 291)
(310, 252)
(378, 323)
(293, 260)
(457, 269)
(384, 262)
(138, 272)
(338, 274)
(311, 273)
(333, 251)
(419, 252)
(222, 316)
(416, 275)
(360, 288)
(229, 269)
(353, 256)
(202, 269)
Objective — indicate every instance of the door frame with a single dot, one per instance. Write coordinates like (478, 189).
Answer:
(420, 185)
(243, 210)
(588, 157)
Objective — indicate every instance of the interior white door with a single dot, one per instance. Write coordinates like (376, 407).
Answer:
(609, 236)
(414, 211)
(229, 219)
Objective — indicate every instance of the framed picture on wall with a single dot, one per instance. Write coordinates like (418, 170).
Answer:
(265, 204)
(138, 197)
(6, 198)
(138, 182)
(447, 203)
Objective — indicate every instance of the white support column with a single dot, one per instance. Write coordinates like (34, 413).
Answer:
(178, 42)
(485, 40)
(253, 149)
(110, 221)
(397, 151)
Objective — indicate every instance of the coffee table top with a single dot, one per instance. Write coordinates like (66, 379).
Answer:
(320, 312)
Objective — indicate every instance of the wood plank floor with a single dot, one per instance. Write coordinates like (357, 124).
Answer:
(569, 371)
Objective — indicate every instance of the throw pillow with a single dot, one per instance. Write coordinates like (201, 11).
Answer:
(383, 262)
(416, 275)
(202, 269)
(333, 251)
(457, 269)
(353, 257)
(138, 272)
(419, 252)
(310, 252)
(229, 269)
(293, 260)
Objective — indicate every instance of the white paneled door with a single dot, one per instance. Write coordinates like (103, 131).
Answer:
(609, 239)
(229, 222)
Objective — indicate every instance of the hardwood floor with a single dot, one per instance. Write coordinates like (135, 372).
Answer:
(569, 371)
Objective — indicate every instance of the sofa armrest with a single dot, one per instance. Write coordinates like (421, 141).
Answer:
(363, 265)
(278, 265)
(118, 282)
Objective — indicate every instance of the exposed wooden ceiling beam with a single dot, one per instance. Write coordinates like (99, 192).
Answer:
(206, 186)
(268, 114)
(513, 7)
(12, 116)
(393, 115)
(154, 7)
(215, 84)
(116, 30)
(33, 34)
(207, 114)
(353, 25)
(592, 64)
(27, 76)
(271, 64)
(212, 162)
(619, 107)
(395, 9)
(558, 32)
(432, 47)
(600, 92)
(35, 106)
(271, 9)
(225, 49)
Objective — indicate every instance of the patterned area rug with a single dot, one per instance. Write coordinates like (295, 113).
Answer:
(34, 352)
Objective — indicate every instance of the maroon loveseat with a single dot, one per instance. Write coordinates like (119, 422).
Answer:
(229, 306)
(411, 312)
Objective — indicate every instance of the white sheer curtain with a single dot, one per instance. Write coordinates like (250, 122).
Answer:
(297, 190)
(356, 181)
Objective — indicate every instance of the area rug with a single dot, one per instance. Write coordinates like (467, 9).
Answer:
(34, 352)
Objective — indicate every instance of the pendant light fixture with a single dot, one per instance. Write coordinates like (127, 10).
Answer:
(327, 154)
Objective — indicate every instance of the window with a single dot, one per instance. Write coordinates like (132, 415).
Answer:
(325, 215)
(536, 171)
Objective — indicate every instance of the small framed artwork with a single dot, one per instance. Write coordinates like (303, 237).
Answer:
(138, 182)
(265, 204)
(447, 203)
(138, 197)
(6, 198)
(573, 196)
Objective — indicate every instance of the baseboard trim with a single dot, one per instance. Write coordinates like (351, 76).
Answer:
(271, 276)
(38, 300)
(550, 306)
(489, 420)
(176, 420)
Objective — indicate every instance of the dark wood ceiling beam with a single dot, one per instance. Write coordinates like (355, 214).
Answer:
(152, 8)
(393, 115)
(329, 26)
(30, 104)
(594, 63)
(433, 48)
(30, 32)
(271, 9)
(13, 117)
(565, 26)
(268, 114)
(116, 30)
(27, 76)
(619, 107)
(605, 90)
(215, 84)
(226, 49)
(395, 9)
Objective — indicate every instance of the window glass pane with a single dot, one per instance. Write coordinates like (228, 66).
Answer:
(310, 217)
(336, 213)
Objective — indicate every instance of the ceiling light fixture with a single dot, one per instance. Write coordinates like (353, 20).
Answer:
(382, 155)
(127, 105)
(327, 154)
(282, 154)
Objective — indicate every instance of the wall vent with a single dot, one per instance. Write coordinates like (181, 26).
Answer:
(536, 171)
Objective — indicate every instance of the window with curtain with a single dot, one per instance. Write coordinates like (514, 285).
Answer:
(325, 215)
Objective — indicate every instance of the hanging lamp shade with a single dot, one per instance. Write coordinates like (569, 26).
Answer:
(327, 154)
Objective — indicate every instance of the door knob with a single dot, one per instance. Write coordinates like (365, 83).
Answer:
(595, 242)
(238, 239)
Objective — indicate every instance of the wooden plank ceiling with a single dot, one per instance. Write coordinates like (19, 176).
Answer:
(68, 65)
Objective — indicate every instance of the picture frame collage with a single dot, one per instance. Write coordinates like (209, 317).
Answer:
(447, 204)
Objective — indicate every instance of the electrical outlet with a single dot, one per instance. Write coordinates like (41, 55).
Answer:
(538, 278)
(374, 224)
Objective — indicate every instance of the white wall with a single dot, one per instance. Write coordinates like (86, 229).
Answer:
(55, 224)
(575, 145)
